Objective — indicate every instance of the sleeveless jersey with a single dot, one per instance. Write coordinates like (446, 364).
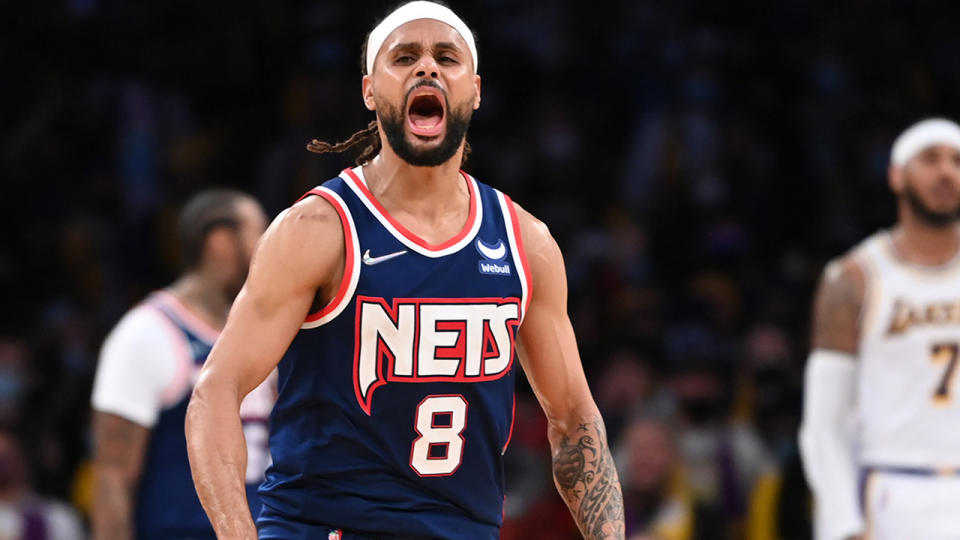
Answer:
(909, 411)
(167, 505)
(396, 399)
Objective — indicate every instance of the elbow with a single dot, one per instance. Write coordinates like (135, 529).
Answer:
(208, 394)
(194, 420)
(563, 420)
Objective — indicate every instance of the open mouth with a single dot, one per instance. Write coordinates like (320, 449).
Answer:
(426, 112)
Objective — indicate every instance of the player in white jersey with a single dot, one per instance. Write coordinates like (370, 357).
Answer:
(148, 366)
(880, 437)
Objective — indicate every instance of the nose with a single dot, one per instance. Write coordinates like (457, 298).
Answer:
(427, 67)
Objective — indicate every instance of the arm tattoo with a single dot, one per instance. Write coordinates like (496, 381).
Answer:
(587, 478)
(836, 313)
(119, 447)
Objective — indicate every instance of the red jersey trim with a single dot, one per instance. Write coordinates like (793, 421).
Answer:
(521, 252)
(468, 227)
(351, 268)
(513, 420)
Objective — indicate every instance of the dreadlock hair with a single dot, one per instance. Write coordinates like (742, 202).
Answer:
(368, 139)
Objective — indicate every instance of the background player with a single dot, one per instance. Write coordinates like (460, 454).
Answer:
(880, 400)
(427, 322)
(147, 368)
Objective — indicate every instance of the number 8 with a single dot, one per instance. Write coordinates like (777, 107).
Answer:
(436, 432)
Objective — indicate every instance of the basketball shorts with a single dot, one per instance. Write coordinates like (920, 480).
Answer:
(911, 503)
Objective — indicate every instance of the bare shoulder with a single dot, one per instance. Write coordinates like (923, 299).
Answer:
(548, 293)
(538, 243)
(843, 279)
(838, 303)
(305, 243)
(312, 217)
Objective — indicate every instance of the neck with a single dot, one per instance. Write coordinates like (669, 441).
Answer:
(203, 297)
(421, 189)
(923, 243)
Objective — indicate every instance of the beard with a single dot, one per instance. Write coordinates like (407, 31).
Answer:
(929, 216)
(392, 121)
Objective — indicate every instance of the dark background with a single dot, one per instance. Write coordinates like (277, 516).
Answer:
(697, 161)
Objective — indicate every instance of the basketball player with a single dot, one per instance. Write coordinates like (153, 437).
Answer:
(393, 298)
(147, 368)
(881, 425)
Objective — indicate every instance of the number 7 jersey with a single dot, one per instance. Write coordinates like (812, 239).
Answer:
(909, 411)
(396, 399)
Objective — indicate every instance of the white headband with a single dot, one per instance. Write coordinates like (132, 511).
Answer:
(411, 12)
(923, 135)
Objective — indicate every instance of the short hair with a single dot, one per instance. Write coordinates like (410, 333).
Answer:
(204, 212)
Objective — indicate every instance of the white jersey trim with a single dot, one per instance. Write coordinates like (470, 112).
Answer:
(357, 177)
(935, 271)
(872, 293)
(519, 257)
(351, 265)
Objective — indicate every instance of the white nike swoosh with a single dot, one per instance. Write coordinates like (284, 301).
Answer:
(370, 261)
(496, 253)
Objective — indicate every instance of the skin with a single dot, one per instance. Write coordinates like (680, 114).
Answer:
(433, 203)
(120, 444)
(933, 175)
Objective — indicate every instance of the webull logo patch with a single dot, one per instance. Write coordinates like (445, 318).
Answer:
(493, 263)
(493, 268)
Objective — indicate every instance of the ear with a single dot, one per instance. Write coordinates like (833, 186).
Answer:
(895, 178)
(368, 99)
(476, 84)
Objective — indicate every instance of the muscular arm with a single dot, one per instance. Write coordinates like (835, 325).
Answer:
(302, 252)
(826, 434)
(583, 468)
(118, 450)
(836, 310)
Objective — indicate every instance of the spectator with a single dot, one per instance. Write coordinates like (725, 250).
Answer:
(24, 515)
(658, 503)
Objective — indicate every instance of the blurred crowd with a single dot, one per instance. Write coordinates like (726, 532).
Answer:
(697, 161)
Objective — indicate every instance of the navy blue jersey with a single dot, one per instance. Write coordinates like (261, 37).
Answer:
(167, 505)
(396, 400)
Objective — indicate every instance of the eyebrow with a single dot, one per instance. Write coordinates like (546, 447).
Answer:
(416, 46)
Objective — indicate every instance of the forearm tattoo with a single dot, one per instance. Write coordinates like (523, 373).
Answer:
(587, 478)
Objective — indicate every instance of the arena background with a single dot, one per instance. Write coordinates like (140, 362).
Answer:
(697, 161)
